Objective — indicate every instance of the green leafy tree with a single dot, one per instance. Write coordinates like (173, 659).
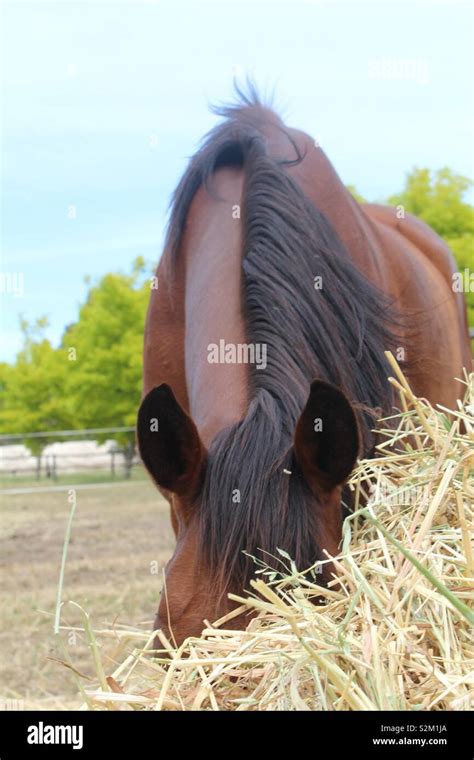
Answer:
(33, 396)
(104, 354)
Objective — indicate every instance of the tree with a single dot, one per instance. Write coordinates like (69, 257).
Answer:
(33, 396)
(104, 355)
(438, 199)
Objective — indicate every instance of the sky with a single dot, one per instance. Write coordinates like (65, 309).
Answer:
(104, 102)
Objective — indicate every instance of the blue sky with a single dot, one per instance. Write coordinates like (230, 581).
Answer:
(104, 102)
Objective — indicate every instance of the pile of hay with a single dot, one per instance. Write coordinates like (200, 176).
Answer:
(394, 634)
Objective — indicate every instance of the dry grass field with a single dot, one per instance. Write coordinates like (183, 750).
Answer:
(118, 533)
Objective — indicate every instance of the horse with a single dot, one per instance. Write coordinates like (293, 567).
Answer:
(268, 253)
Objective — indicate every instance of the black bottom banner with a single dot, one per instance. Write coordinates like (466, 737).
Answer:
(130, 734)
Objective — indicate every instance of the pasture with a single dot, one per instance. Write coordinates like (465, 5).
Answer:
(118, 531)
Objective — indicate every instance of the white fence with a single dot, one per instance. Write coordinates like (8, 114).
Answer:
(69, 456)
(66, 456)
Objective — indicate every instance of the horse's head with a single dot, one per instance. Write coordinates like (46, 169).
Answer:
(314, 467)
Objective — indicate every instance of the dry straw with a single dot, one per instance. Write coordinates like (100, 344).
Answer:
(393, 633)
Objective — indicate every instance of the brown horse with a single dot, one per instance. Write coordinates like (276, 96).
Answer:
(264, 354)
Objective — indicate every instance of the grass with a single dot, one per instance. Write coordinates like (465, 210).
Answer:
(116, 535)
(393, 632)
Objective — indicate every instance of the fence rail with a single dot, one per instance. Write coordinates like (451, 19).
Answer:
(64, 433)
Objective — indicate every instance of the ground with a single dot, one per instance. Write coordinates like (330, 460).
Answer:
(120, 535)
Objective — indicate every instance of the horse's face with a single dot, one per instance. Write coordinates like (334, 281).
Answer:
(325, 447)
(185, 602)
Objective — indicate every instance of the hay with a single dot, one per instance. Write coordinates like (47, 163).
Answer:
(393, 633)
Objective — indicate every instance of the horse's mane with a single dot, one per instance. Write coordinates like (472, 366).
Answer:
(338, 333)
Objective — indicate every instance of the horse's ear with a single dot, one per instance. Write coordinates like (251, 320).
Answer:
(326, 441)
(169, 442)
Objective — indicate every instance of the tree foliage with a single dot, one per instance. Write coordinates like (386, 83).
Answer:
(104, 351)
(33, 389)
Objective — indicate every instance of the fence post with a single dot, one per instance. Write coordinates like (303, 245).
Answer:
(128, 452)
